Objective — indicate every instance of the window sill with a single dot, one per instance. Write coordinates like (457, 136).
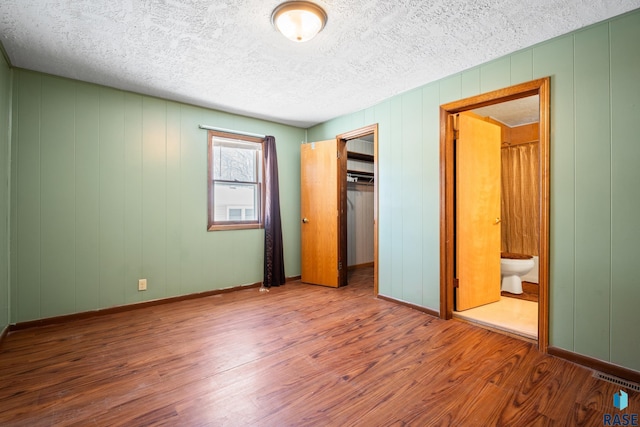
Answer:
(223, 227)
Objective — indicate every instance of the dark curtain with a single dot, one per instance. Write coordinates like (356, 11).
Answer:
(273, 251)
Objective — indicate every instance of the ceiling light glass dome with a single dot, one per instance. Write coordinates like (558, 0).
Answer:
(299, 21)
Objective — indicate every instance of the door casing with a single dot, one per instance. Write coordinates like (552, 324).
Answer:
(538, 87)
(359, 133)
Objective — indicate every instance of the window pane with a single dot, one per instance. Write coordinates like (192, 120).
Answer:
(235, 161)
(235, 214)
(235, 202)
(236, 181)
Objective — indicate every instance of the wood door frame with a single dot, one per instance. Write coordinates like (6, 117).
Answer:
(342, 220)
(355, 134)
(538, 87)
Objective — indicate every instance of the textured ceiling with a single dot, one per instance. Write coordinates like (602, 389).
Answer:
(224, 54)
(514, 113)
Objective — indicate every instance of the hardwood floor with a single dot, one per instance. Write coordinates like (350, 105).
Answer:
(298, 355)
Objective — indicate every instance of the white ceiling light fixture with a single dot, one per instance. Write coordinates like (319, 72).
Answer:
(299, 21)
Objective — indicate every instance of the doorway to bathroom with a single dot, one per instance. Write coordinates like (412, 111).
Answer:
(473, 233)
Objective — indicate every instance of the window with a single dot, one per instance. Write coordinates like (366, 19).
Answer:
(235, 181)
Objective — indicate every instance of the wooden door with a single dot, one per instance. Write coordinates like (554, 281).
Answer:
(477, 212)
(323, 214)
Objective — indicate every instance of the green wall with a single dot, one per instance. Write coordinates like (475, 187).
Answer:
(109, 187)
(595, 196)
(5, 119)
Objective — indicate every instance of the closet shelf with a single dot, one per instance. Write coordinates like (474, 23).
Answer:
(359, 156)
(360, 173)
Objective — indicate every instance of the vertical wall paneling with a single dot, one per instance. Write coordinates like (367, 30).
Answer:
(470, 82)
(111, 188)
(154, 196)
(172, 203)
(5, 203)
(450, 89)
(358, 120)
(13, 203)
(495, 75)
(522, 67)
(625, 197)
(87, 196)
(555, 59)
(344, 122)
(385, 189)
(430, 192)
(395, 196)
(331, 128)
(242, 272)
(411, 186)
(219, 254)
(28, 221)
(133, 220)
(592, 192)
(57, 166)
(193, 201)
(369, 116)
(288, 149)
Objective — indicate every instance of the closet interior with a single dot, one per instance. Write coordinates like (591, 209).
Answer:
(360, 202)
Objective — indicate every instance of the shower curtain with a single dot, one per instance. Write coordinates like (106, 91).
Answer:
(520, 204)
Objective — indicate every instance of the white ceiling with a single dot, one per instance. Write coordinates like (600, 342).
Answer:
(224, 54)
(514, 113)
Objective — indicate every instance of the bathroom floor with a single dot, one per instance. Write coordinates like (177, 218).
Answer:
(529, 292)
(517, 316)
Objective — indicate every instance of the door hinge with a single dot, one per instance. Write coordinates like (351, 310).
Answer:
(339, 265)
(338, 154)
(455, 282)
(454, 126)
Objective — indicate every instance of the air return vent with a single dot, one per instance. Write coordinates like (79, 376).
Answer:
(615, 380)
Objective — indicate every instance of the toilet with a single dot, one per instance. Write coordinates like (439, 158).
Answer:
(512, 268)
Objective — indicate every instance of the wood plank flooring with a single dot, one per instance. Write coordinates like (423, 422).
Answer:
(298, 355)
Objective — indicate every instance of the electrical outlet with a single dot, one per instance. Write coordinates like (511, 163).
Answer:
(142, 284)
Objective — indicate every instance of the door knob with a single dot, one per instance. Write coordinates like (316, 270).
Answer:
(305, 220)
(498, 220)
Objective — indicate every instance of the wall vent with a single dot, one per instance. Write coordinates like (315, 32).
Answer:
(616, 380)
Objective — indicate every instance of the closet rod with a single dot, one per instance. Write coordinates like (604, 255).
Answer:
(237, 132)
(360, 175)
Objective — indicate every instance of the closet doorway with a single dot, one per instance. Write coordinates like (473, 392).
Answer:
(451, 283)
(329, 171)
(362, 199)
